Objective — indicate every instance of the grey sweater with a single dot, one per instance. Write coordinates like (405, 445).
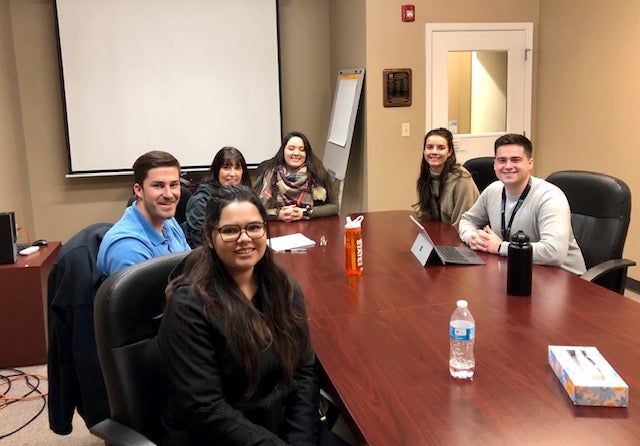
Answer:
(544, 216)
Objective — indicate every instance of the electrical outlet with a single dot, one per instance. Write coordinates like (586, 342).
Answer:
(406, 129)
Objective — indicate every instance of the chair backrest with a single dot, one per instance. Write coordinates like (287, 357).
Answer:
(481, 170)
(128, 306)
(338, 189)
(261, 167)
(181, 208)
(600, 212)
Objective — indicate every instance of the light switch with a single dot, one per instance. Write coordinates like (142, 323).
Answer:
(406, 129)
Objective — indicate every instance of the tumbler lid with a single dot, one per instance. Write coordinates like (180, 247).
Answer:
(520, 238)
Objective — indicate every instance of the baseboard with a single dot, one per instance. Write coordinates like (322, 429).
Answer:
(633, 285)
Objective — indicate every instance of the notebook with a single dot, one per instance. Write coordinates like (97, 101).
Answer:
(426, 251)
(289, 242)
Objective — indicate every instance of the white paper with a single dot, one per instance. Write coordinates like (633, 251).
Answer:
(342, 111)
(291, 241)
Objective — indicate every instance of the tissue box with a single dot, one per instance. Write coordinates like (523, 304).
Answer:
(587, 377)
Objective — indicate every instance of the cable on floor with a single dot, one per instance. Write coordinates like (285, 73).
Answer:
(31, 382)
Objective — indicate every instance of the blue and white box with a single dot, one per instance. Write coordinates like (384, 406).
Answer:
(587, 377)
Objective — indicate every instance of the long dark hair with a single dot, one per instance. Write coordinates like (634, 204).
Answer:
(451, 166)
(315, 169)
(226, 155)
(248, 332)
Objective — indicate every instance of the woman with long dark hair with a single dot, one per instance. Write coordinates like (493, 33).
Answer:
(445, 189)
(234, 338)
(228, 167)
(294, 185)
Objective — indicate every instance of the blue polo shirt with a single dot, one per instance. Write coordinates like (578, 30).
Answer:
(132, 239)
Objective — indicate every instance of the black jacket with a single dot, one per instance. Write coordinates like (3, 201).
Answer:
(196, 212)
(75, 378)
(206, 404)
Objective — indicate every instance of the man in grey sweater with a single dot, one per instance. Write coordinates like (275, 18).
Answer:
(521, 202)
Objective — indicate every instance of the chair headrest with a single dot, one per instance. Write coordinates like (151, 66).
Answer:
(594, 194)
(131, 301)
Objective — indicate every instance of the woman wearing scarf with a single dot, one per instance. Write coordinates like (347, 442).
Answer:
(294, 185)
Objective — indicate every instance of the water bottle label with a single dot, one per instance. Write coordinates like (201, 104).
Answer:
(462, 333)
(359, 257)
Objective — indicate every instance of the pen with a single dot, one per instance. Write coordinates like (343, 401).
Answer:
(296, 250)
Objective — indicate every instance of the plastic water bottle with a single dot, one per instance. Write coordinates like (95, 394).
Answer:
(519, 265)
(353, 246)
(462, 335)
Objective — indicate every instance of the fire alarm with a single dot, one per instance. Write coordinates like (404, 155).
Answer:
(408, 13)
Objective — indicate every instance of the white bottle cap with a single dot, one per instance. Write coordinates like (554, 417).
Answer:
(462, 304)
(355, 223)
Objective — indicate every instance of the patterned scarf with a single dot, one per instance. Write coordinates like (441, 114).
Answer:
(290, 189)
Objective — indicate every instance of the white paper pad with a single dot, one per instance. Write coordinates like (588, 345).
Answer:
(291, 241)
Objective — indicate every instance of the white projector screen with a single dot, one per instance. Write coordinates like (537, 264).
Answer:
(187, 76)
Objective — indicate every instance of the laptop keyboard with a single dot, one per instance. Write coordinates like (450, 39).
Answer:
(451, 253)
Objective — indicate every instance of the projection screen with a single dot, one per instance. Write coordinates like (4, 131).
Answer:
(188, 77)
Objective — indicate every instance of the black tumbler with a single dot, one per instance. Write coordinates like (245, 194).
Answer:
(519, 265)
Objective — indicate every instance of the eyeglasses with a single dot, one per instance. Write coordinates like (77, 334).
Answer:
(232, 233)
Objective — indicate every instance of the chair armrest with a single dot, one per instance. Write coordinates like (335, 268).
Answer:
(117, 434)
(606, 267)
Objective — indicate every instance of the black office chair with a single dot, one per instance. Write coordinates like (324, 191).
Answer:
(261, 167)
(600, 214)
(481, 170)
(127, 309)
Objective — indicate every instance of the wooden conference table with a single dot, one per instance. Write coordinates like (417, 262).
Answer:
(382, 340)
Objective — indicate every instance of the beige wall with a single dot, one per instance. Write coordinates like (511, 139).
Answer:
(305, 56)
(393, 161)
(348, 34)
(32, 140)
(589, 95)
(60, 206)
(459, 72)
(585, 99)
(14, 183)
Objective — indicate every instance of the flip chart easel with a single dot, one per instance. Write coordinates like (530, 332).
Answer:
(342, 123)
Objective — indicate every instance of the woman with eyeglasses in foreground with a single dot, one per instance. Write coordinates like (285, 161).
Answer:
(235, 340)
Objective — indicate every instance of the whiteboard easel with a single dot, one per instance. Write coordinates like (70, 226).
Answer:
(342, 123)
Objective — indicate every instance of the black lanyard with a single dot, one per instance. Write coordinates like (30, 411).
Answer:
(507, 230)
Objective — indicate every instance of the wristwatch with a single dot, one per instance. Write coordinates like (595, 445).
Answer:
(306, 214)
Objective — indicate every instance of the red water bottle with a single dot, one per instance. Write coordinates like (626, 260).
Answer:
(353, 249)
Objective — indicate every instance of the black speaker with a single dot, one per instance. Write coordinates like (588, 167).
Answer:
(8, 247)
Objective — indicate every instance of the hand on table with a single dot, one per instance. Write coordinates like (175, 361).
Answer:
(485, 240)
(290, 213)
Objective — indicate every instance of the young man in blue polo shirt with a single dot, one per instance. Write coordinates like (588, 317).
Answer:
(148, 227)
